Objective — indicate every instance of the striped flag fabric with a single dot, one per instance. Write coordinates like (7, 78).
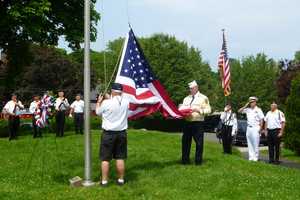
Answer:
(42, 113)
(142, 88)
(224, 68)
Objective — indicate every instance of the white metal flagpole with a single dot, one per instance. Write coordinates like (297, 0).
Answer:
(87, 82)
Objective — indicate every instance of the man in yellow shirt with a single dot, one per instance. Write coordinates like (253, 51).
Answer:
(194, 125)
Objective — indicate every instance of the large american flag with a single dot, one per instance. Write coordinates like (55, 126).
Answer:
(224, 68)
(145, 93)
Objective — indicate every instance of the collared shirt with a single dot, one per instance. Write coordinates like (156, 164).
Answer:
(33, 106)
(78, 106)
(61, 104)
(274, 119)
(229, 119)
(114, 112)
(254, 116)
(11, 107)
(198, 101)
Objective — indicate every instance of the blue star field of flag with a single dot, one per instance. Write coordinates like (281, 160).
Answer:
(135, 65)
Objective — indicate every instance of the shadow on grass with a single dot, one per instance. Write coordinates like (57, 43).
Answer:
(131, 172)
(61, 177)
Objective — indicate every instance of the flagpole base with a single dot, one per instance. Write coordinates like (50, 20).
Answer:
(88, 183)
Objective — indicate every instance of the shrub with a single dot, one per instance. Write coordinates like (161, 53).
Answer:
(26, 129)
(292, 136)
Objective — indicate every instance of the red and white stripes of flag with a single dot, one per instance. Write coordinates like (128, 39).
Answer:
(224, 67)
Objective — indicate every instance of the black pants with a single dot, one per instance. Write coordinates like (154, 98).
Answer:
(13, 125)
(60, 123)
(274, 144)
(192, 130)
(226, 134)
(36, 130)
(78, 121)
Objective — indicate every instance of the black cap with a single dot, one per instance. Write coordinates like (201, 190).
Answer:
(117, 87)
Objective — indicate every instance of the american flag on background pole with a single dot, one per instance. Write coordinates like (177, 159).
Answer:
(140, 86)
(224, 67)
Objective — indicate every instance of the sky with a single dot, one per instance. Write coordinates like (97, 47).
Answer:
(252, 26)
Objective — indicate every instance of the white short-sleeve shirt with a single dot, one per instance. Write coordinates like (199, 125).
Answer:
(61, 104)
(254, 116)
(33, 106)
(12, 108)
(78, 106)
(114, 112)
(274, 119)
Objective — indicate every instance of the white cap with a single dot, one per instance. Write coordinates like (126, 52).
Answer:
(253, 99)
(193, 84)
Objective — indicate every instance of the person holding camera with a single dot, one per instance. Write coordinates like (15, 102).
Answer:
(228, 129)
(34, 109)
(255, 118)
(61, 106)
(11, 111)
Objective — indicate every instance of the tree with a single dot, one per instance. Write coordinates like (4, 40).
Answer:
(173, 62)
(44, 21)
(297, 56)
(253, 76)
(176, 64)
(51, 69)
(41, 22)
(292, 136)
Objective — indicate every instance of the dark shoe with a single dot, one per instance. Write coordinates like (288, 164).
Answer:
(119, 183)
(185, 162)
(271, 161)
(198, 163)
(277, 162)
(103, 185)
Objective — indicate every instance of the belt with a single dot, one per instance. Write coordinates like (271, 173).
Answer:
(275, 129)
(114, 132)
(250, 126)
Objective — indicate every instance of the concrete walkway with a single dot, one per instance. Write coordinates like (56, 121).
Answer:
(263, 158)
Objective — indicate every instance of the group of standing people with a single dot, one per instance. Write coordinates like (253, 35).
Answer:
(114, 109)
(62, 107)
(272, 126)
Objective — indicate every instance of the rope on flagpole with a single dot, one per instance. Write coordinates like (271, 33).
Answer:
(106, 82)
(30, 159)
(127, 12)
(103, 39)
(115, 69)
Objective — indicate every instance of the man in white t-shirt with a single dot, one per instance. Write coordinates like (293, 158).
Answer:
(255, 118)
(77, 108)
(274, 126)
(11, 110)
(114, 111)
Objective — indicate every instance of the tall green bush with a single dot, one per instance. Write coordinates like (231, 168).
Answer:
(292, 136)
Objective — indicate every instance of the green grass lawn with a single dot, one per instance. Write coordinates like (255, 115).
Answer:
(40, 169)
(285, 154)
